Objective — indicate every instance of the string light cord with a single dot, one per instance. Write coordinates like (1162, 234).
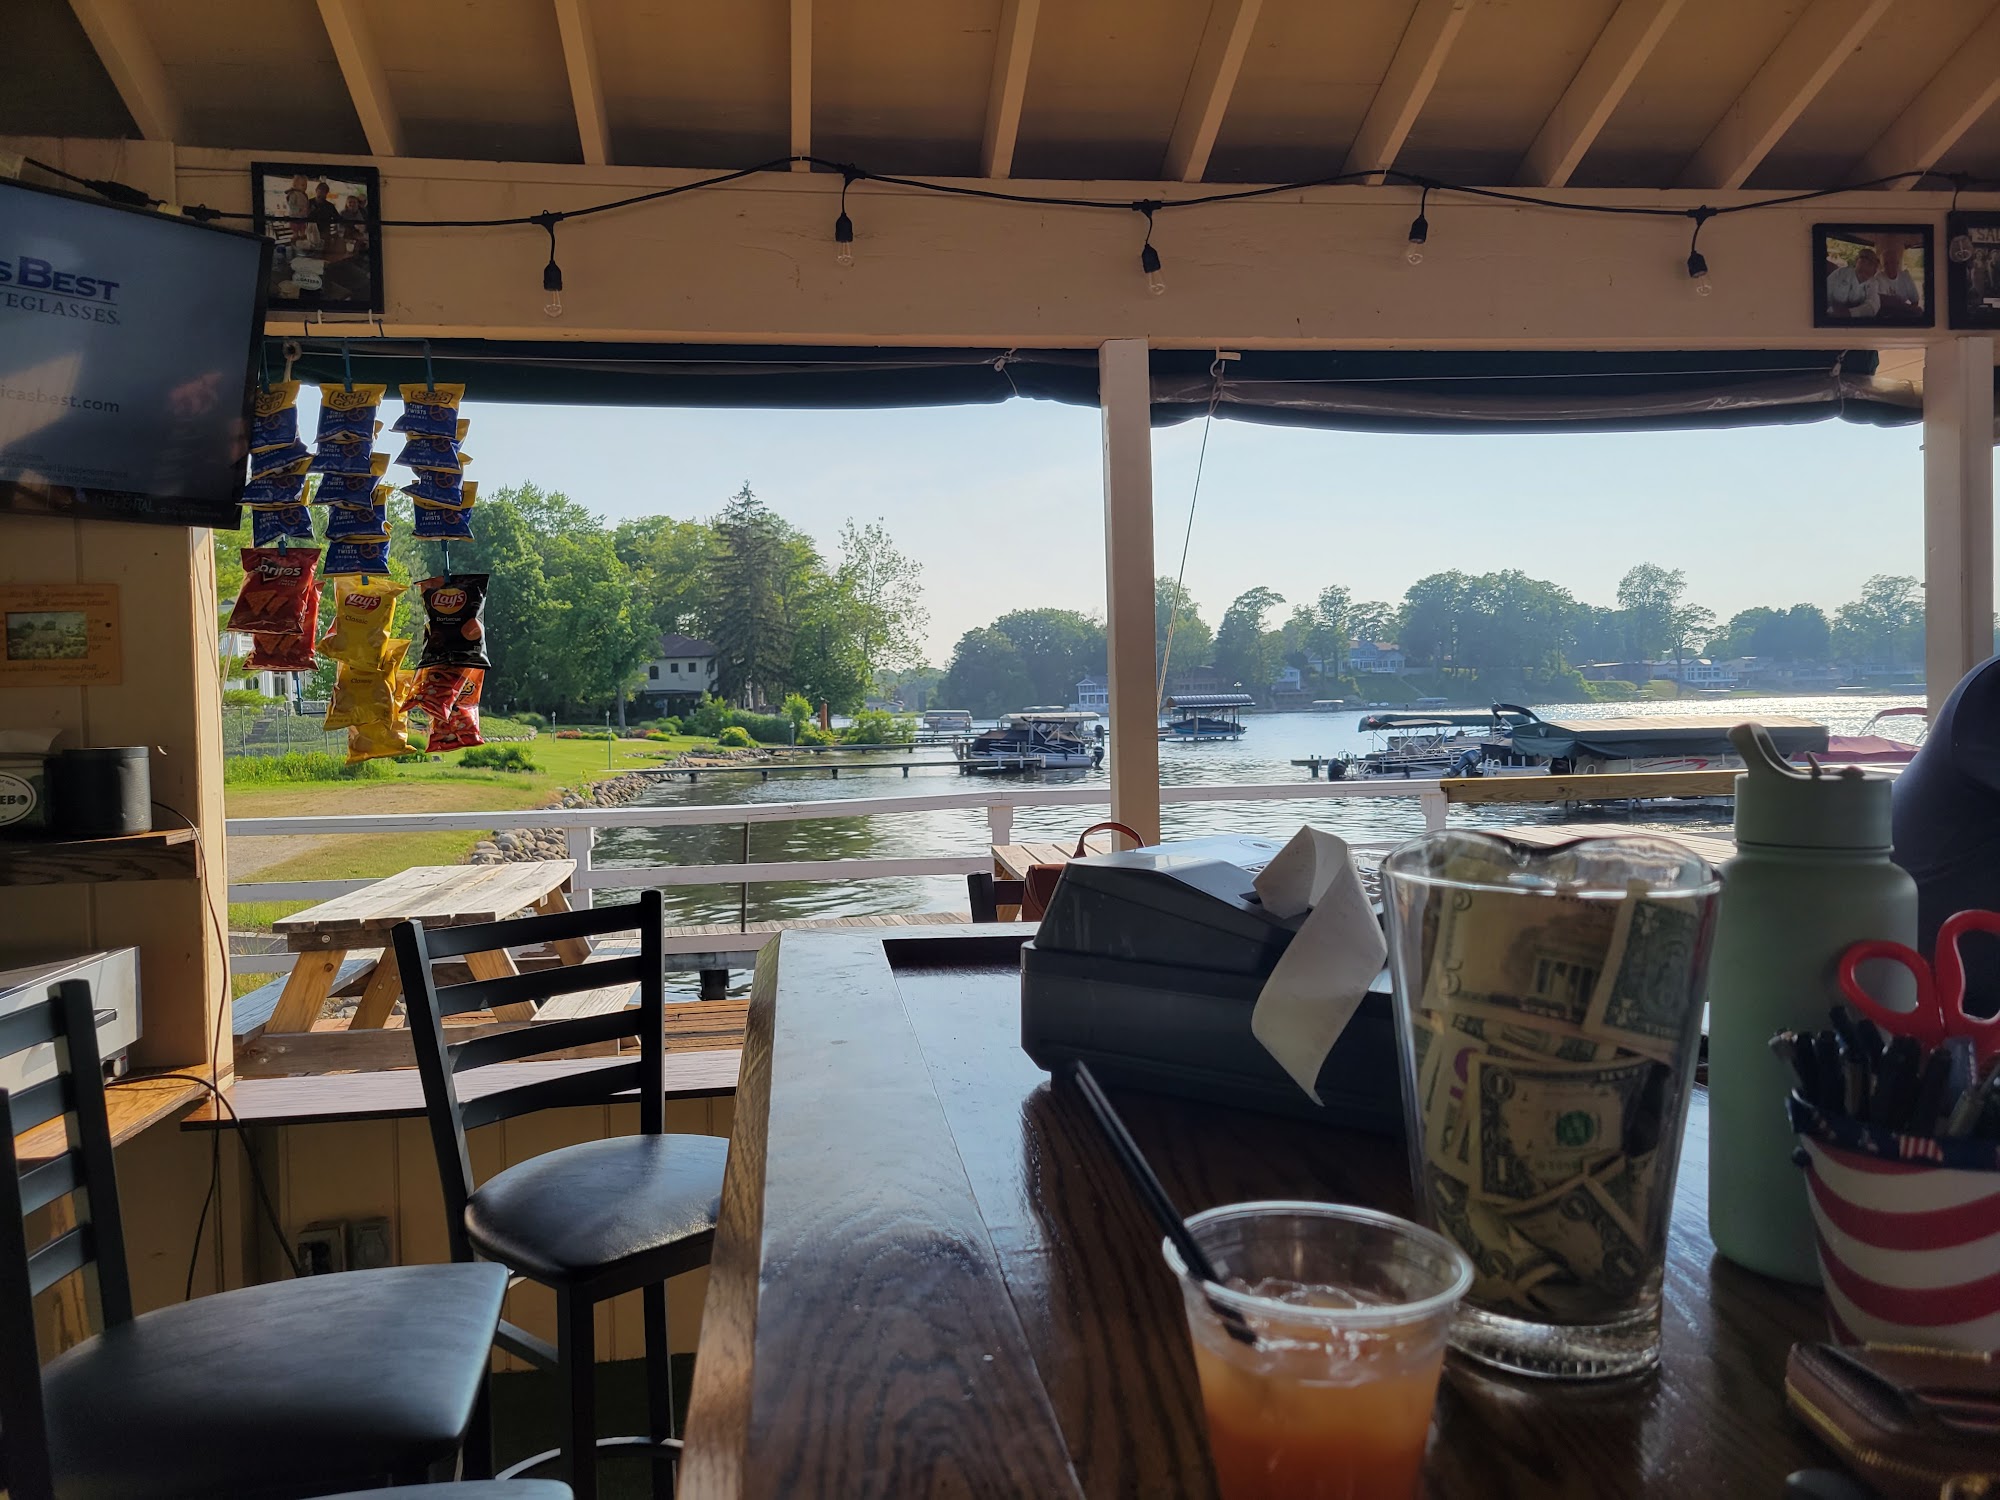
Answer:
(1187, 535)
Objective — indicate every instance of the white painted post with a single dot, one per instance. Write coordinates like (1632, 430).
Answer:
(1958, 511)
(580, 841)
(1000, 822)
(1125, 392)
(1432, 801)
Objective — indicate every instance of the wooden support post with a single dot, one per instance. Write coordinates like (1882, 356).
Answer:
(1125, 390)
(1958, 511)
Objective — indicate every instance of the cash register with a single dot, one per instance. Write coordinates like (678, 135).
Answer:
(1147, 966)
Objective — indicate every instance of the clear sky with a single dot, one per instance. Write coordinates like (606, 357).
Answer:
(1003, 504)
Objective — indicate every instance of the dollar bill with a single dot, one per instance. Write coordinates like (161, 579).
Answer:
(1535, 1126)
(1538, 955)
(1583, 1229)
(1506, 1266)
(1646, 990)
(1632, 1186)
(1512, 1035)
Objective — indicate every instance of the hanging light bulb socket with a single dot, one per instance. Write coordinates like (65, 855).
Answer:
(1149, 258)
(1697, 263)
(843, 227)
(552, 277)
(1420, 228)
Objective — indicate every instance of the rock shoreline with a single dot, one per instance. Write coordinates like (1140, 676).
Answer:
(518, 845)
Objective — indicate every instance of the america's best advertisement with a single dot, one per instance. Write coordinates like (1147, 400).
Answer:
(124, 351)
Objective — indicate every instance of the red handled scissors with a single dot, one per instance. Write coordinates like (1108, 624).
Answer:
(1940, 1011)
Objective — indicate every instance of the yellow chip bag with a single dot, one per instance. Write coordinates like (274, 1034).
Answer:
(362, 611)
(372, 741)
(366, 695)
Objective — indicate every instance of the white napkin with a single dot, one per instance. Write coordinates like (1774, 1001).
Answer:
(1317, 986)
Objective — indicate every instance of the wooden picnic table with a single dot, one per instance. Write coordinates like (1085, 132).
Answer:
(437, 896)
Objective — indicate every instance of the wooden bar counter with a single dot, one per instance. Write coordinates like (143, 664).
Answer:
(931, 1280)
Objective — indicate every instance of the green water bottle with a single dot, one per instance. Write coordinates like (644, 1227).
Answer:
(1812, 874)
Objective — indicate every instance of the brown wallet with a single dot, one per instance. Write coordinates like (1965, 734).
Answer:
(1906, 1420)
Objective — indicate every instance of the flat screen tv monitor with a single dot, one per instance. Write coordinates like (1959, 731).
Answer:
(126, 344)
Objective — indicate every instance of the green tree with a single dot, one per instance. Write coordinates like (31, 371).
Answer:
(1799, 634)
(1650, 595)
(1057, 649)
(1373, 620)
(1326, 633)
(669, 562)
(1884, 627)
(1194, 642)
(798, 708)
(986, 675)
(882, 597)
(756, 568)
(1435, 609)
(1245, 651)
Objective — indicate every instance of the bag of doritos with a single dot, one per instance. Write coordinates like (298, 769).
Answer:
(280, 593)
(454, 623)
(460, 728)
(271, 651)
(430, 410)
(362, 613)
(348, 416)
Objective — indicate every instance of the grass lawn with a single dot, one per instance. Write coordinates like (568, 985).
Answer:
(421, 786)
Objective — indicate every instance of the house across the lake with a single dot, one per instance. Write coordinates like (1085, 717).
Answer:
(1093, 693)
(680, 675)
(1376, 656)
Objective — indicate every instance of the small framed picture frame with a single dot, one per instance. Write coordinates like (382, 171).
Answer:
(1972, 269)
(324, 221)
(59, 635)
(1874, 275)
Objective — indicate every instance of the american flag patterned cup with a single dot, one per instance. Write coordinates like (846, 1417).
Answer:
(1909, 1248)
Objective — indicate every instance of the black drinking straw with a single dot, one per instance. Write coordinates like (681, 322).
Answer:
(1154, 1193)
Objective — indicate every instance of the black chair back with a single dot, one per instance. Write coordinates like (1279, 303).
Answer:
(441, 1061)
(94, 1244)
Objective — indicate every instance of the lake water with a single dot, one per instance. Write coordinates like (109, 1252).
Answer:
(1263, 755)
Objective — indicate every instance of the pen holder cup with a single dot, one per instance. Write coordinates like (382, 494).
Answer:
(1909, 1232)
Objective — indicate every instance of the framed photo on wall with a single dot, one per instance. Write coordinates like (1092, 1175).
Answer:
(1972, 269)
(324, 221)
(1874, 275)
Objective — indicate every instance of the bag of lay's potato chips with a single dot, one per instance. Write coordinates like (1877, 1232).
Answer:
(430, 410)
(459, 729)
(280, 593)
(437, 691)
(274, 419)
(268, 523)
(362, 613)
(348, 415)
(364, 692)
(356, 555)
(373, 741)
(454, 621)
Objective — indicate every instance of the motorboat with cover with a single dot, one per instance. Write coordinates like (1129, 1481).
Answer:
(1662, 742)
(1034, 739)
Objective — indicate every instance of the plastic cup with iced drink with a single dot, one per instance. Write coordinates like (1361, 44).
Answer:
(1331, 1397)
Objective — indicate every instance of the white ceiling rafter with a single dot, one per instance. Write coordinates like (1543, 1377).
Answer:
(586, 84)
(1413, 73)
(132, 61)
(1802, 64)
(1621, 50)
(367, 84)
(1217, 63)
(1965, 88)
(1013, 46)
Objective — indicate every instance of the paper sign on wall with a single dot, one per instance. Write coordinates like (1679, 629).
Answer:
(59, 635)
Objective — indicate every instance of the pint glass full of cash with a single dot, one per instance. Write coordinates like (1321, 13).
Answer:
(1549, 1007)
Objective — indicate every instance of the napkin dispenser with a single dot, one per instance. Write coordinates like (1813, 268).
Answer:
(1148, 965)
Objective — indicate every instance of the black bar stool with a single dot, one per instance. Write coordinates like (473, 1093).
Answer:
(589, 1221)
(287, 1389)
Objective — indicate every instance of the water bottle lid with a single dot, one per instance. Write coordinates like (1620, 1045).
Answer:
(1818, 807)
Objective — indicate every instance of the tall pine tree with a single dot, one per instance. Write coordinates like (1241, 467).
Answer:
(748, 611)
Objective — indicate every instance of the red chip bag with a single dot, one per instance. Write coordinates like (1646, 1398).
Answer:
(460, 728)
(280, 593)
(271, 651)
(438, 690)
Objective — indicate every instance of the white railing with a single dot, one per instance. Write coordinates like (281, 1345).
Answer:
(580, 824)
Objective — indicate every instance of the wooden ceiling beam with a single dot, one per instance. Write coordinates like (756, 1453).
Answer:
(802, 82)
(367, 84)
(132, 61)
(1621, 50)
(586, 84)
(1012, 47)
(1413, 73)
(1823, 37)
(1965, 88)
(1217, 62)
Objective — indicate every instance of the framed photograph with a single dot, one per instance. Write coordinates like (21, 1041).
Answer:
(324, 222)
(1972, 269)
(59, 635)
(1876, 275)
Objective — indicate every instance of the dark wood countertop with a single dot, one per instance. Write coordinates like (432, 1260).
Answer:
(930, 1279)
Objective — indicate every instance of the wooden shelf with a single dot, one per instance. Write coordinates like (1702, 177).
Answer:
(132, 1104)
(163, 854)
